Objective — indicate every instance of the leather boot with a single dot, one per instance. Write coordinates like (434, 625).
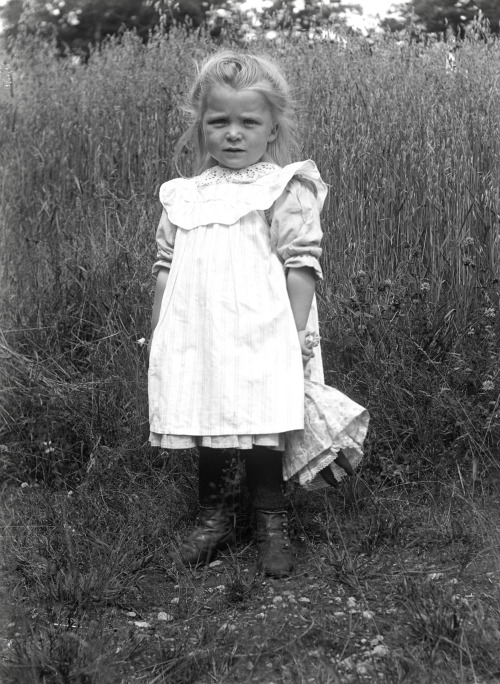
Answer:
(273, 542)
(214, 532)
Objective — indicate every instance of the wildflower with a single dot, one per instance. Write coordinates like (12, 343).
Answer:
(468, 241)
(451, 60)
(166, 617)
(361, 273)
(24, 485)
(351, 602)
(490, 312)
(487, 385)
(425, 287)
(141, 342)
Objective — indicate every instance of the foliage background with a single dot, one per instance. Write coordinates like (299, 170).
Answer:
(74, 25)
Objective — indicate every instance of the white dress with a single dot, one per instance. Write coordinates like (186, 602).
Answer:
(225, 366)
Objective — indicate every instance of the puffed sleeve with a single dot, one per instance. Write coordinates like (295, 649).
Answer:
(165, 240)
(295, 227)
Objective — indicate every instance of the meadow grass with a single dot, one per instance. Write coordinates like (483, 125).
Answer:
(410, 323)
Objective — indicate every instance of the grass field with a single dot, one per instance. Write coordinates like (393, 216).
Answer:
(399, 569)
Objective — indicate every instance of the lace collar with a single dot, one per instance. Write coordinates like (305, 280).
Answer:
(217, 174)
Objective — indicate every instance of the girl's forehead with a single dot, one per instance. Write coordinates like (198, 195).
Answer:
(224, 97)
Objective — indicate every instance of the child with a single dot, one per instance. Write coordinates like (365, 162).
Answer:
(238, 249)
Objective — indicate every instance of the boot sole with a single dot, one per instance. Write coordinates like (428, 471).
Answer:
(212, 553)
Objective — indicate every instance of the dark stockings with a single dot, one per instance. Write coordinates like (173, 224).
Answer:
(215, 469)
(264, 470)
(264, 477)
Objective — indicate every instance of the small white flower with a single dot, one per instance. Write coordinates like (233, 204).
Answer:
(141, 342)
(468, 241)
(487, 385)
(490, 312)
(24, 485)
(165, 617)
(425, 287)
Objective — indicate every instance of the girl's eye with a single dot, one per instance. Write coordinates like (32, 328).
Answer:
(250, 122)
(217, 122)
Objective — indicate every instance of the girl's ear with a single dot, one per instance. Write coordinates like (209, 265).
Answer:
(274, 133)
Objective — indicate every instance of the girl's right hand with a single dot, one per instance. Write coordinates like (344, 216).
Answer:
(306, 346)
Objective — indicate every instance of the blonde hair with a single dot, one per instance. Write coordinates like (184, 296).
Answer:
(241, 71)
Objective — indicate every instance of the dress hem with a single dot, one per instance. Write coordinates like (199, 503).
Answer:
(274, 441)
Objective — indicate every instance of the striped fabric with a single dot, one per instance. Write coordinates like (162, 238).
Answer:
(225, 365)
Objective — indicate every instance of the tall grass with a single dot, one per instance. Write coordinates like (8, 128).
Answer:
(411, 251)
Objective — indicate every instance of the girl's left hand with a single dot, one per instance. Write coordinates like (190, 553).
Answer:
(306, 346)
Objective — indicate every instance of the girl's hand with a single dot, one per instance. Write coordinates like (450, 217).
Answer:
(306, 346)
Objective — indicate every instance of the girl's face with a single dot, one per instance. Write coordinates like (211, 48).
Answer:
(237, 125)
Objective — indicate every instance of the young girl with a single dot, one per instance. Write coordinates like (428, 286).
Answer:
(237, 263)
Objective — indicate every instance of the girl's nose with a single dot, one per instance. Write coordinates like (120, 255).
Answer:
(233, 133)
